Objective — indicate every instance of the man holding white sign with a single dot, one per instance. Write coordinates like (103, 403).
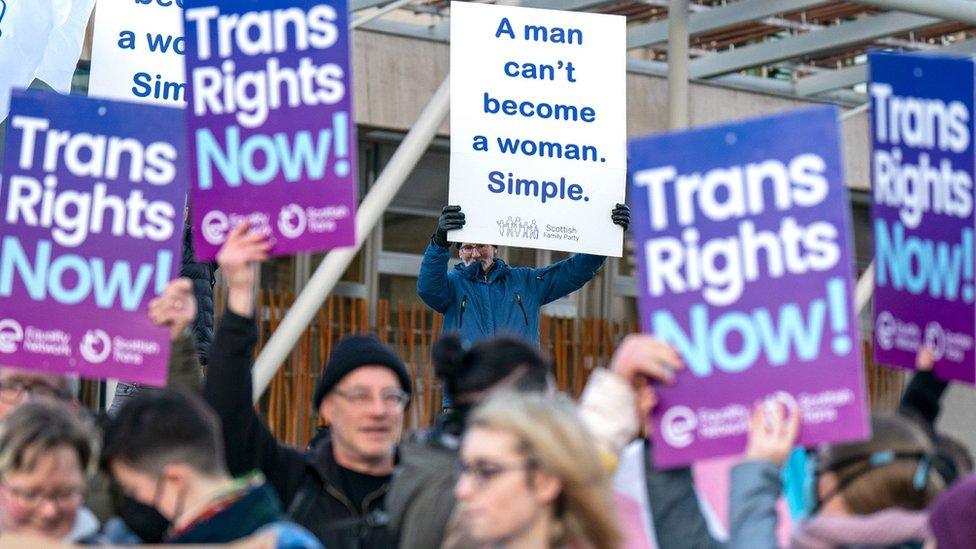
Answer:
(538, 159)
(538, 126)
(488, 297)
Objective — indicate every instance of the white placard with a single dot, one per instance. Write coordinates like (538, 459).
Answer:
(137, 52)
(40, 40)
(538, 127)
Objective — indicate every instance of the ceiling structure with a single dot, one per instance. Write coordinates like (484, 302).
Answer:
(807, 48)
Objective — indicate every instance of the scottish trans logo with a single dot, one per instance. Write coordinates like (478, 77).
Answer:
(292, 221)
(3, 10)
(95, 346)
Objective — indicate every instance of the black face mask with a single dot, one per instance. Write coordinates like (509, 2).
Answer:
(180, 500)
(143, 520)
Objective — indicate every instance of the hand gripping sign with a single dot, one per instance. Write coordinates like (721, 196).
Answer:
(922, 211)
(743, 241)
(92, 204)
(269, 112)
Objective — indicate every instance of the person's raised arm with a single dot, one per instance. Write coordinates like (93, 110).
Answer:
(433, 286)
(248, 442)
(567, 276)
(923, 396)
(237, 258)
(176, 310)
(756, 481)
(615, 401)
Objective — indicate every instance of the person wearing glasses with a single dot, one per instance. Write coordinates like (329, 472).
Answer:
(20, 386)
(46, 449)
(336, 488)
(530, 476)
(164, 448)
(484, 297)
(174, 310)
(421, 503)
(466, 251)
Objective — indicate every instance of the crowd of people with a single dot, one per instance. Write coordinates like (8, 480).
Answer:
(511, 462)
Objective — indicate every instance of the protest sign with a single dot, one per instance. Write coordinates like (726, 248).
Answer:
(743, 239)
(92, 207)
(270, 123)
(137, 52)
(538, 127)
(922, 211)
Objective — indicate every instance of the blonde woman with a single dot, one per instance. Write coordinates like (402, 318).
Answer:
(531, 477)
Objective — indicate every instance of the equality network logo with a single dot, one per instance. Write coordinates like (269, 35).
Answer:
(11, 332)
(215, 226)
(885, 329)
(95, 346)
(680, 424)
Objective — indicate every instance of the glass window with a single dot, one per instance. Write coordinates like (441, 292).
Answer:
(426, 187)
(354, 273)
(406, 232)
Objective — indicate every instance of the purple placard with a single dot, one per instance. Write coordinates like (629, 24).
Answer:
(269, 114)
(93, 202)
(922, 210)
(743, 239)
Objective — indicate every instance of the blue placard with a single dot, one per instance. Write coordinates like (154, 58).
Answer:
(922, 210)
(93, 202)
(742, 232)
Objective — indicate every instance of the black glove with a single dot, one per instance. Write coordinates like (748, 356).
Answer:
(451, 218)
(620, 215)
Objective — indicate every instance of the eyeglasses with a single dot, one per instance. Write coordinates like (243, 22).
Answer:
(471, 247)
(65, 497)
(393, 398)
(483, 472)
(11, 392)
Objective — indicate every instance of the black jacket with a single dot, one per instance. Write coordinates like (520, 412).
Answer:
(202, 276)
(922, 400)
(307, 482)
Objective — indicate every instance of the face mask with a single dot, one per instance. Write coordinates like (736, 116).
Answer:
(180, 500)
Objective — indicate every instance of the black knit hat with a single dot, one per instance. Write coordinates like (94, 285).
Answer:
(351, 353)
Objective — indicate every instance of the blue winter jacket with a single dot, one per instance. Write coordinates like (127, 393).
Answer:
(506, 301)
